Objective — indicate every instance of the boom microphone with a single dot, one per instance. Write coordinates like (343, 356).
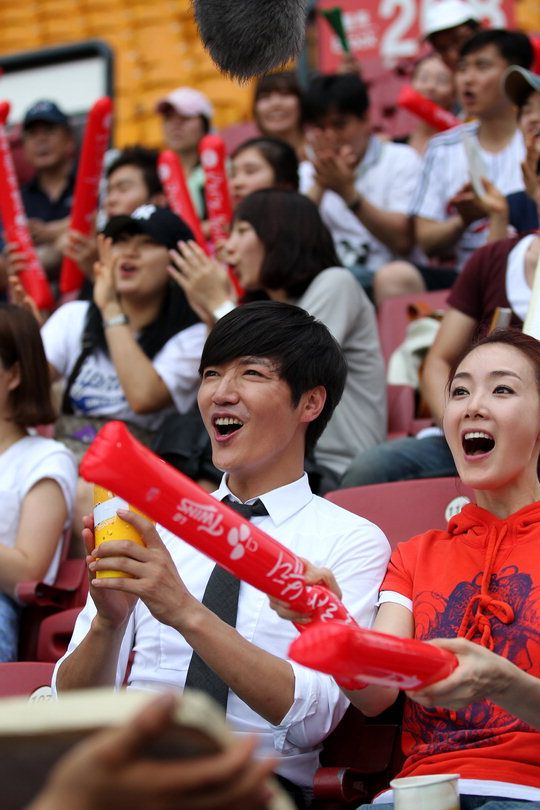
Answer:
(250, 37)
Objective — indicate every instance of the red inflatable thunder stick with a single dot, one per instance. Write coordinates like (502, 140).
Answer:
(216, 187)
(97, 135)
(355, 655)
(176, 190)
(180, 505)
(434, 115)
(216, 193)
(33, 277)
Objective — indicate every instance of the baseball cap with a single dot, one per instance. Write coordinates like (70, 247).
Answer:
(186, 101)
(446, 14)
(161, 224)
(520, 83)
(46, 111)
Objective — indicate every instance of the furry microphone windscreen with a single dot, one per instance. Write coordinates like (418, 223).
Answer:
(251, 37)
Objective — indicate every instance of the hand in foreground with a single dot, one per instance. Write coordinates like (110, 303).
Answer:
(480, 674)
(204, 281)
(313, 576)
(493, 202)
(109, 771)
(153, 576)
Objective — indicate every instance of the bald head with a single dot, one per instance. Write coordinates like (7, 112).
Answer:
(251, 37)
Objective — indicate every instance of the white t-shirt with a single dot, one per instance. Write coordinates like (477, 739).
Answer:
(97, 390)
(22, 465)
(445, 171)
(356, 551)
(387, 177)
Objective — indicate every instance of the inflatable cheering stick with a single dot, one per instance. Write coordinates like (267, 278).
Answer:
(176, 190)
(216, 193)
(121, 464)
(354, 655)
(216, 187)
(12, 213)
(97, 135)
(434, 115)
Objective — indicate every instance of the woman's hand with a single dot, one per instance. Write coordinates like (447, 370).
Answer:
(312, 576)
(105, 295)
(480, 674)
(530, 165)
(81, 249)
(204, 281)
(19, 296)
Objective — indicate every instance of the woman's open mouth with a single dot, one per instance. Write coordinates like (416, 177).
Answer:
(477, 443)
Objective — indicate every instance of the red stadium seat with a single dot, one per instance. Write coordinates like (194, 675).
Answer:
(393, 318)
(401, 403)
(404, 508)
(55, 632)
(30, 678)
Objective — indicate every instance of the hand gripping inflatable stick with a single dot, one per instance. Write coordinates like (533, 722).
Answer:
(97, 135)
(176, 190)
(33, 277)
(118, 462)
(434, 115)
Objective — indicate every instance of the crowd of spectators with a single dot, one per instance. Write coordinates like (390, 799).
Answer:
(328, 216)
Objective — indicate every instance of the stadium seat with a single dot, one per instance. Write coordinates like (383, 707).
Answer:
(400, 403)
(392, 317)
(405, 508)
(32, 678)
(358, 759)
(55, 632)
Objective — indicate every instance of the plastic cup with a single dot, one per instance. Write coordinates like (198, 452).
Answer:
(108, 526)
(435, 792)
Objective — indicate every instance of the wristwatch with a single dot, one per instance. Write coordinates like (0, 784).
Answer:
(223, 309)
(116, 320)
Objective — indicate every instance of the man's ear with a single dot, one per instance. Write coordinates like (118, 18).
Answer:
(312, 403)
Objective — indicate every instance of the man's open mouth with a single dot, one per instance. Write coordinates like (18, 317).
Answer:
(476, 443)
(226, 425)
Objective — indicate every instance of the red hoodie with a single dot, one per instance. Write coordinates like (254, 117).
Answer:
(481, 580)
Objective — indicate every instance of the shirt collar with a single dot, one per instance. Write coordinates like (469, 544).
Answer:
(282, 503)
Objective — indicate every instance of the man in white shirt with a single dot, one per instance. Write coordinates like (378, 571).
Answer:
(363, 185)
(271, 376)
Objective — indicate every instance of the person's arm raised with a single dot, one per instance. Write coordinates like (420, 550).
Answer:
(455, 332)
(144, 389)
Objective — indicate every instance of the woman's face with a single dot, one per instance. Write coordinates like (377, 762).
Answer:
(141, 269)
(529, 118)
(250, 171)
(245, 252)
(277, 113)
(435, 81)
(492, 419)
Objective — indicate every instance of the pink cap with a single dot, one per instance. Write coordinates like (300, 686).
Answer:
(186, 101)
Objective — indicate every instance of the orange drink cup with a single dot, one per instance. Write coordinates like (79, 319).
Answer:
(108, 526)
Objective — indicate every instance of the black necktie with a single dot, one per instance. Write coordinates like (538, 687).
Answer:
(221, 597)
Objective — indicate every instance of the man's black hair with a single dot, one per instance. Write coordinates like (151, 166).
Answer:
(143, 159)
(342, 93)
(305, 353)
(514, 46)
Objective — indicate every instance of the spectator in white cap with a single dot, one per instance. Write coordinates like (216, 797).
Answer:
(447, 25)
(187, 116)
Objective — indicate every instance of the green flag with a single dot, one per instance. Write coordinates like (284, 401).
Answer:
(335, 19)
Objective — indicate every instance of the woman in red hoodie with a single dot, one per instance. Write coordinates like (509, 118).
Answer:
(475, 589)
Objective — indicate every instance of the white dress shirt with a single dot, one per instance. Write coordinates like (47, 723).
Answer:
(356, 550)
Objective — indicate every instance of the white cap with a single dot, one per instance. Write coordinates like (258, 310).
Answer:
(445, 14)
(186, 101)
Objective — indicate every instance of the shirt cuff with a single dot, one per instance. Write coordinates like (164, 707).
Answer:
(396, 598)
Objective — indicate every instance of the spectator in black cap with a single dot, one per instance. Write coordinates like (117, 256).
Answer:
(132, 353)
(49, 147)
